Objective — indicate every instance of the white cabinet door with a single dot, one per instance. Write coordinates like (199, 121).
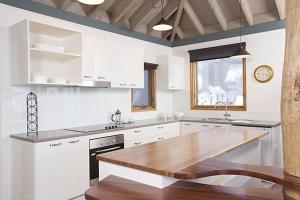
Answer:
(127, 67)
(176, 71)
(192, 127)
(103, 58)
(170, 73)
(139, 136)
(89, 58)
(50, 170)
(135, 66)
(76, 167)
(136, 142)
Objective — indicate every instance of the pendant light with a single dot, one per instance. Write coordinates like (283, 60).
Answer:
(241, 52)
(162, 25)
(91, 2)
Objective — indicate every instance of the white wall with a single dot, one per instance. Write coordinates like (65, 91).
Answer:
(67, 107)
(62, 107)
(263, 99)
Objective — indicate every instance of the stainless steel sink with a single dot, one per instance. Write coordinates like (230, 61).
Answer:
(217, 120)
(241, 121)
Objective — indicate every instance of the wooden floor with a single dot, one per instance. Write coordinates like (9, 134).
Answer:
(115, 188)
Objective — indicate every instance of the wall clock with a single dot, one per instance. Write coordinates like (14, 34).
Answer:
(263, 73)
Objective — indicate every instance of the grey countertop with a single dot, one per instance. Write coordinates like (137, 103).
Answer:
(45, 136)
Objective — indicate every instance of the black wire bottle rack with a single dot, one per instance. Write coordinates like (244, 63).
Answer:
(32, 114)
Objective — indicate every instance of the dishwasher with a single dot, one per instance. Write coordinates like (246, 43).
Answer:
(100, 146)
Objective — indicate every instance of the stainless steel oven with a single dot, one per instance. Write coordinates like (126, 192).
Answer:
(100, 146)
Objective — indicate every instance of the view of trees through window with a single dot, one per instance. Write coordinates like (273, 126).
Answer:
(220, 80)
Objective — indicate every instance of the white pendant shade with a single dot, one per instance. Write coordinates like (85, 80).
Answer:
(91, 2)
(162, 27)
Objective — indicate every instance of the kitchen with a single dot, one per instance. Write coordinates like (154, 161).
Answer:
(75, 106)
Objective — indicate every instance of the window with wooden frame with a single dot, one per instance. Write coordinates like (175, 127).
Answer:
(144, 99)
(216, 78)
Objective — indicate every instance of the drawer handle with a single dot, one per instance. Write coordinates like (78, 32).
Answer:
(187, 124)
(205, 126)
(55, 145)
(137, 143)
(218, 126)
(160, 127)
(101, 77)
(87, 76)
(137, 131)
(160, 138)
(74, 141)
(132, 84)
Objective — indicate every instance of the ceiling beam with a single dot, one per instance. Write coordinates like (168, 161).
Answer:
(66, 4)
(179, 33)
(247, 11)
(101, 10)
(281, 8)
(219, 14)
(56, 3)
(194, 18)
(146, 13)
(169, 10)
(177, 19)
(124, 7)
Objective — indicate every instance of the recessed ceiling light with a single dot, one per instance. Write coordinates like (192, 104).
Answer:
(91, 2)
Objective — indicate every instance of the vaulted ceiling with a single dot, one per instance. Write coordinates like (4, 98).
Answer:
(190, 18)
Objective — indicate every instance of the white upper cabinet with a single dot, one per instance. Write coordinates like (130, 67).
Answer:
(96, 56)
(106, 61)
(45, 54)
(127, 67)
(170, 73)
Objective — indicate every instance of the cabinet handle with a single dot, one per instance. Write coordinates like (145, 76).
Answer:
(123, 84)
(137, 131)
(101, 77)
(137, 143)
(87, 76)
(74, 141)
(218, 126)
(205, 126)
(160, 138)
(187, 124)
(55, 145)
(132, 84)
(160, 127)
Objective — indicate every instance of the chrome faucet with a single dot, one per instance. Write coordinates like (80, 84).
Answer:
(226, 115)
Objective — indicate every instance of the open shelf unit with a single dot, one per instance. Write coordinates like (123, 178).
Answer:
(45, 50)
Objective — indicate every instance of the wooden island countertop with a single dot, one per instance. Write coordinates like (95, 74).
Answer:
(170, 157)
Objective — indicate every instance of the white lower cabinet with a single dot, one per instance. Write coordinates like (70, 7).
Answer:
(76, 167)
(56, 170)
(50, 171)
(136, 137)
(194, 127)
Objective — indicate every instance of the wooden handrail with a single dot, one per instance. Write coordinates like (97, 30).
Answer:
(213, 166)
(115, 188)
